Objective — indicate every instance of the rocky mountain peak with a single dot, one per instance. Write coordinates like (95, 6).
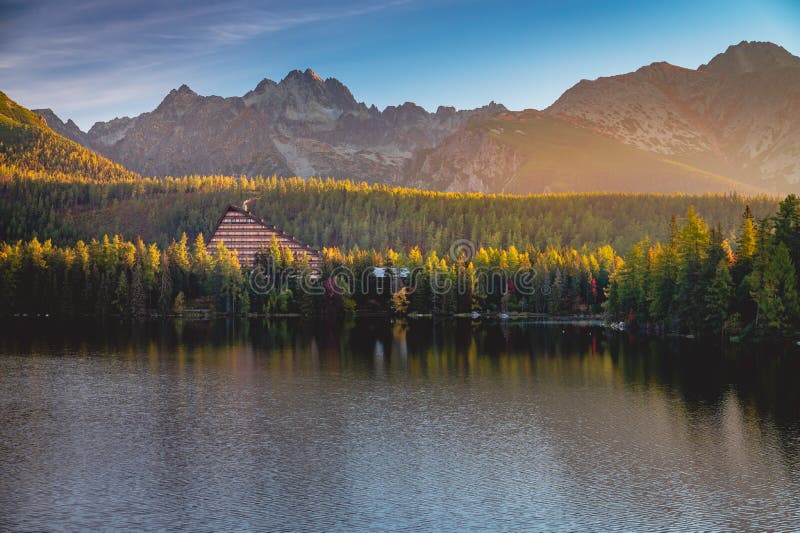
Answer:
(302, 77)
(711, 124)
(660, 66)
(262, 94)
(311, 74)
(48, 115)
(299, 86)
(303, 95)
(750, 56)
(181, 93)
(445, 110)
(68, 129)
(661, 71)
(264, 84)
(492, 108)
(178, 99)
(337, 88)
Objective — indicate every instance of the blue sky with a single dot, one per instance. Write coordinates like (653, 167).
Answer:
(92, 60)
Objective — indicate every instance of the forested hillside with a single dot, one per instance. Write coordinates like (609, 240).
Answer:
(28, 147)
(342, 213)
(699, 282)
(52, 188)
(739, 277)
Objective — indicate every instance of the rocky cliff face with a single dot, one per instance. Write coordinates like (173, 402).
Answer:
(739, 114)
(469, 160)
(534, 152)
(68, 129)
(732, 124)
(303, 125)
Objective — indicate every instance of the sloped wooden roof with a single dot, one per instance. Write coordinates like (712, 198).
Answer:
(247, 255)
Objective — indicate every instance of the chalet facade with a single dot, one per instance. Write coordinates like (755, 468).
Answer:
(239, 230)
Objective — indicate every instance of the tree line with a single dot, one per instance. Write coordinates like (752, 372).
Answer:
(324, 212)
(29, 146)
(112, 276)
(701, 283)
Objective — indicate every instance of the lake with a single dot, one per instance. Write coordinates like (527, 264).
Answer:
(425, 425)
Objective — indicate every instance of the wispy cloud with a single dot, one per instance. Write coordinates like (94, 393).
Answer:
(77, 57)
(261, 22)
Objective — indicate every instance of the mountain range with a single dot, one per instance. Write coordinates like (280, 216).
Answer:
(731, 124)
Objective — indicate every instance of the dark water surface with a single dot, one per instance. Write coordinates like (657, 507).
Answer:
(374, 425)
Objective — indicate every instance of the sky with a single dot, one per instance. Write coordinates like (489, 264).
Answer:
(93, 60)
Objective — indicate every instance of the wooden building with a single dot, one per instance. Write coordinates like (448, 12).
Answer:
(239, 230)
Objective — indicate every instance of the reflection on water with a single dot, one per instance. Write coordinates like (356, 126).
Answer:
(288, 425)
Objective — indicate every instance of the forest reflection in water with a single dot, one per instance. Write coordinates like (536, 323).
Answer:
(418, 424)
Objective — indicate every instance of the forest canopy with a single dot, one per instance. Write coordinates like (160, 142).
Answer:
(324, 212)
(713, 270)
(699, 282)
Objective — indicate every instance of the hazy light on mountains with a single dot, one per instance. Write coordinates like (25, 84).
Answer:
(92, 60)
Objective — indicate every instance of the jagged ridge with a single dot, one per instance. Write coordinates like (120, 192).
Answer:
(732, 123)
(302, 125)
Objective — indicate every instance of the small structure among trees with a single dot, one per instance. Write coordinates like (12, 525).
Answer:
(241, 231)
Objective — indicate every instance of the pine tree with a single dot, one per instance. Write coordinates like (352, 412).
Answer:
(629, 286)
(718, 298)
(556, 293)
(772, 288)
(121, 295)
(67, 294)
(104, 295)
(746, 243)
(201, 264)
(165, 299)
(663, 285)
(138, 297)
(692, 248)
(782, 271)
(420, 291)
(226, 279)
(787, 228)
(179, 263)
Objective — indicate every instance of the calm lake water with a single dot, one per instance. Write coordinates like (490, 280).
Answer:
(375, 425)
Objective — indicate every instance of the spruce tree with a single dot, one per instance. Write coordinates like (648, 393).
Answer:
(121, 295)
(138, 297)
(787, 228)
(718, 298)
(663, 283)
(692, 247)
(782, 271)
(165, 300)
